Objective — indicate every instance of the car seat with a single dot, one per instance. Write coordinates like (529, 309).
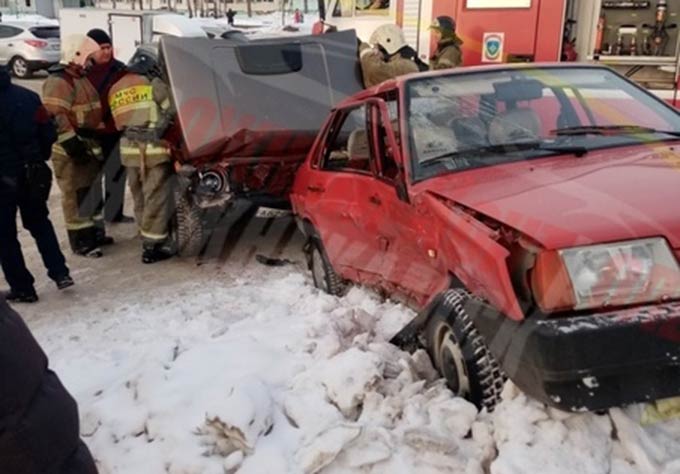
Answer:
(515, 125)
(358, 150)
(471, 132)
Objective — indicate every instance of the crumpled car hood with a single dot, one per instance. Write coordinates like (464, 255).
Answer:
(608, 195)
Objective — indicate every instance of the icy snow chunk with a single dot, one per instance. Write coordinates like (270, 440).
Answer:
(453, 415)
(233, 461)
(371, 447)
(348, 376)
(245, 415)
(325, 448)
(307, 408)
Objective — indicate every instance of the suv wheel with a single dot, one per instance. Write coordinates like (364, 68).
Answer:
(20, 68)
(323, 273)
(188, 228)
(461, 355)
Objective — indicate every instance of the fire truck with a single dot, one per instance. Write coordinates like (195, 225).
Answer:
(639, 38)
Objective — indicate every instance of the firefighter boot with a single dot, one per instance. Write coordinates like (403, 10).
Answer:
(84, 242)
(102, 239)
(156, 252)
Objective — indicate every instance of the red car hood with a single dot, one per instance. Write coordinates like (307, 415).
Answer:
(609, 195)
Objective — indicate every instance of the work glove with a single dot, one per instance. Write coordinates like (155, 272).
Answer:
(411, 54)
(77, 150)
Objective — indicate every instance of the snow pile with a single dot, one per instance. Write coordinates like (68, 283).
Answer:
(268, 375)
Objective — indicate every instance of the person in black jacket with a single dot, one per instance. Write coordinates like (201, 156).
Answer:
(105, 72)
(26, 138)
(39, 425)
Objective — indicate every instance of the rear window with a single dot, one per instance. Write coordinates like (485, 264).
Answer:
(269, 59)
(45, 32)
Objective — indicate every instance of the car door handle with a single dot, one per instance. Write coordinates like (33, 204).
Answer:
(384, 243)
(375, 199)
(316, 188)
(10, 45)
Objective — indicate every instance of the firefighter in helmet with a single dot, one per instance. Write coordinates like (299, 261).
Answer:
(448, 53)
(77, 158)
(387, 56)
(142, 111)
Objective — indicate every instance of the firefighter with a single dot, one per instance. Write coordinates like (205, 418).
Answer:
(141, 108)
(74, 103)
(448, 53)
(389, 57)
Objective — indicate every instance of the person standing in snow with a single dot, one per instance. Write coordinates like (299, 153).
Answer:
(39, 424)
(448, 54)
(230, 17)
(105, 71)
(77, 159)
(142, 111)
(26, 138)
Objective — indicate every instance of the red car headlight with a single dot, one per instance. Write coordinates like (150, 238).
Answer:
(617, 274)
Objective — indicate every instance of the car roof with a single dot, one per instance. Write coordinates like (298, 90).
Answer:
(395, 83)
(28, 24)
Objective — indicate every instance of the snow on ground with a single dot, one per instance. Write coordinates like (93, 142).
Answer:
(232, 366)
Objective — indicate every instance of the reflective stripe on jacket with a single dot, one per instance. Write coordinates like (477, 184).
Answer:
(74, 104)
(136, 101)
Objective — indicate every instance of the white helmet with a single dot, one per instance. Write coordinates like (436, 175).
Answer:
(390, 37)
(77, 49)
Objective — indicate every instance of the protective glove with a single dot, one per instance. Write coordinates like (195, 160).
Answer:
(77, 150)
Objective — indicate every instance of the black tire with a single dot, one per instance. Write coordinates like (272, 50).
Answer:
(324, 276)
(20, 68)
(188, 227)
(460, 354)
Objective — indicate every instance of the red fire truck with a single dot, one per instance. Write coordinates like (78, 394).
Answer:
(637, 37)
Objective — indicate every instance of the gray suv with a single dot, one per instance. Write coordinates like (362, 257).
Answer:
(28, 47)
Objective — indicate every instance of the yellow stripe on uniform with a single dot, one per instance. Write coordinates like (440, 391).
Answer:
(86, 107)
(79, 225)
(56, 102)
(133, 107)
(65, 136)
(150, 150)
(131, 95)
(150, 236)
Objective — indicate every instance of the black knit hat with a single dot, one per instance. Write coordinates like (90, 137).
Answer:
(100, 36)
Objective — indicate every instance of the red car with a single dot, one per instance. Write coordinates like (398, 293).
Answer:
(530, 213)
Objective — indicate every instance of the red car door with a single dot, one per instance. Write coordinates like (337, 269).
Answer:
(336, 194)
(405, 236)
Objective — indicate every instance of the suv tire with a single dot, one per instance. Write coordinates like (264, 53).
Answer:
(188, 228)
(20, 68)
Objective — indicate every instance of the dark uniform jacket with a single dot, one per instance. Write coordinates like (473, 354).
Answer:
(448, 54)
(39, 428)
(26, 131)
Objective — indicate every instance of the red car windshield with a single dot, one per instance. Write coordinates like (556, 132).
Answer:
(464, 121)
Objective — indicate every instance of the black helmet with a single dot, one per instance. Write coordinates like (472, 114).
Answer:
(445, 24)
(145, 61)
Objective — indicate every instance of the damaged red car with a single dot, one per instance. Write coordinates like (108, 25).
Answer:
(529, 213)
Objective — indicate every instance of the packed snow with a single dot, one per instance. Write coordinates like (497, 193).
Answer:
(232, 366)
(229, 366)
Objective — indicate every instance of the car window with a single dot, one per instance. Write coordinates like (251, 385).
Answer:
(45, 32)
(387, 163)
(7, 31)
(463, 121)
(350, 8)
(349, 146)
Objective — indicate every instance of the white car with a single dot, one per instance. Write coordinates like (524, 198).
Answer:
(28, 46)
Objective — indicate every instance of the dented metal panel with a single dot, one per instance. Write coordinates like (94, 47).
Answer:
(265, 98)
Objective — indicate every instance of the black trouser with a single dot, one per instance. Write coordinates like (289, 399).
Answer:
(114, 179)
(14, 196)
